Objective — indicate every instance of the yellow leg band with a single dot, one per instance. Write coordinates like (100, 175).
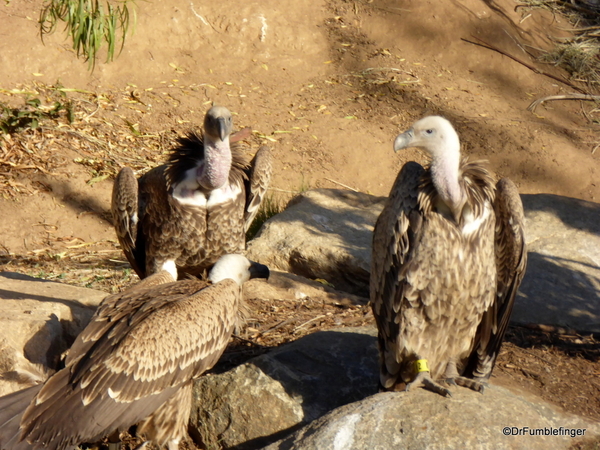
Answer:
(421, 365)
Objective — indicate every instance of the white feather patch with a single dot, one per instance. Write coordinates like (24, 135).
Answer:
(472, 223)
(225, 194)
(187, 192)
(170, 267)
(112, 394)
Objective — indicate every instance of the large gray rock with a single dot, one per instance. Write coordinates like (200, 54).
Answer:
(40, 320)
(423, 420)
(326, 233)
(323, 233)
(290, 386)
(302, 388)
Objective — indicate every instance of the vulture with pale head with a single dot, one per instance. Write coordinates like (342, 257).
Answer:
(448, 257)
(183, 215)
(134, 363)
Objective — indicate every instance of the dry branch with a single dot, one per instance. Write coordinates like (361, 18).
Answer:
(484, 44)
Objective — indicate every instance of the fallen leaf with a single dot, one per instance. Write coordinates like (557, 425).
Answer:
(98, 179)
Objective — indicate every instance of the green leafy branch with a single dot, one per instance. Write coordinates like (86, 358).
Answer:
(90, 23)
(14, 119)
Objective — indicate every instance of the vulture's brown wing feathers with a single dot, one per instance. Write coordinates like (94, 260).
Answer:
(393, 240)
(258, 181)
(173, 312)
(240, 135)
(113, 309)
(126, 216)
(139, 350)
(511, 260)
(164, 423)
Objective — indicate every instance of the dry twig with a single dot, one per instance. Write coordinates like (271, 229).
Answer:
(573, 96)
(342, 184)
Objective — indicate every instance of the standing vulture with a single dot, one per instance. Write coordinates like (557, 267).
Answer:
(448, 257)
(182, 216)
(134, 363)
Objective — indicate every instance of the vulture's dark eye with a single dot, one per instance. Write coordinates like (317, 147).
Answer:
(429, 131)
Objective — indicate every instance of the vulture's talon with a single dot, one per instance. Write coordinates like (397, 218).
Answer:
(423, 379)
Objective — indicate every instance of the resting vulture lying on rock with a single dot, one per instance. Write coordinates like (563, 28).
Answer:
(134, 363)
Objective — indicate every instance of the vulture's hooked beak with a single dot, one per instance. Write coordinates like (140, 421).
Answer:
(404, 140)
(258, 270)
(218, 122)
(222, 127)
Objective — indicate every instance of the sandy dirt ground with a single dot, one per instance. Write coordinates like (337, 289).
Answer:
(327, 85)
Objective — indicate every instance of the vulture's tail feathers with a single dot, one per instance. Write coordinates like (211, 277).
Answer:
(12, 407)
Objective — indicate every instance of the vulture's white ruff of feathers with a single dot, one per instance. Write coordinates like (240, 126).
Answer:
(182, 216)
(448, 257)
(134, 363)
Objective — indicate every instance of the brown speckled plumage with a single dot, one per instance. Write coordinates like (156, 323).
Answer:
(442, 289)
(134, 363)
(194, 236)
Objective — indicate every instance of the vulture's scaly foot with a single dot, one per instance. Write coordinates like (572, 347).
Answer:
(451, 373)
(454, 379)
(483, 381)
(423, 379)
(470, 383)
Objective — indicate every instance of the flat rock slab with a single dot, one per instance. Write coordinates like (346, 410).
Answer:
(326, 233)
(40, 319)
(562, 283)
(288, 286)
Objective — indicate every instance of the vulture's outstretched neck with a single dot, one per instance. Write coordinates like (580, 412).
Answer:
(445, 172)
(217, 163)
